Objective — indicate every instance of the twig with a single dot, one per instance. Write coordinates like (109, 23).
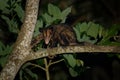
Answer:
(37, 66)
(47, 69)
(51, 63)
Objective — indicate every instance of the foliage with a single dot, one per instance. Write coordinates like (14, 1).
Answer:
(4, 53)
(12, 13)
(109, 36)
(39, 24)
(88, 32)
(73, 63)
(27, 72)
(55, 15)
(95, 33)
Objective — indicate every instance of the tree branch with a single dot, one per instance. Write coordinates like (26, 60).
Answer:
(73, 49)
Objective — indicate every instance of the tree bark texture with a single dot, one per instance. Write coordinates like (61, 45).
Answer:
(22, 45)
(73, 49)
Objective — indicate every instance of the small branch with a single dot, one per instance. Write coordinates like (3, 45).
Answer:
(51, 63)
(47, 69)
(37, 66)
(73, 49)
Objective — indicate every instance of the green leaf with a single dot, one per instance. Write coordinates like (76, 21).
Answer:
(76, 29)
(83, 27)
(5, 50)
(3, 4)
(6, 19)
(73, 73)
(93, 29)
(118, 56)
(54, 11)
(113, 30)
(108, 33)
(65, 13)
(80, 62)
(70, 59)
(85, 38)
(3, 61)
(101, 29)
(19, 11)
(48, 19)
(14, 26)
(2, 45)
(39, 24)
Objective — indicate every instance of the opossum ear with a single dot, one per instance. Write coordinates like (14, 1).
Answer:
(41, 29)
(51, 27)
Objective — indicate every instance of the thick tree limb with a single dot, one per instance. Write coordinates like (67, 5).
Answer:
(21, 47)
(73, 49)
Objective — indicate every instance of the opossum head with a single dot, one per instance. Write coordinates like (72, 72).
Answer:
(47, 34)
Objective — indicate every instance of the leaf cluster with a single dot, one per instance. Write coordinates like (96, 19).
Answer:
(12, 13)
(88, 32)
(4, 53)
